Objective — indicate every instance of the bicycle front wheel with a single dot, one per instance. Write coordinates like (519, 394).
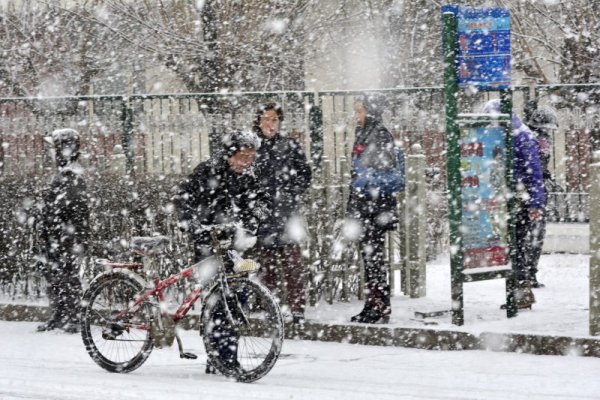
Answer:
(116, 344)
(247, 346)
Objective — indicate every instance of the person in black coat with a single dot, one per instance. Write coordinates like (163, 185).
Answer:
(285, 175)
(64, 232)
(222, 190)
(377, 175)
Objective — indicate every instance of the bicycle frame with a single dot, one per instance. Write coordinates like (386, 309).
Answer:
(160, 285)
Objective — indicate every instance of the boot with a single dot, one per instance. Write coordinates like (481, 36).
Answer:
(298, 318)
(377, 307)
(49, 325)
(524, 295)
(374, 312)
(56, 321)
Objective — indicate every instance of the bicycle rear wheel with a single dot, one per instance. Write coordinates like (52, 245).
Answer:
(117, 345)
(247, 347)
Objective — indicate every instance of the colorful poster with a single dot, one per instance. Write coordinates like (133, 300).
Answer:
(483, 48)
(483, 181)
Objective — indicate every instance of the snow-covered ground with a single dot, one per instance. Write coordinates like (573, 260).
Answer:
(562, 307)
(56, 366)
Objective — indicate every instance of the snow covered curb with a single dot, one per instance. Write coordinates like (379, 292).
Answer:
(428, 339)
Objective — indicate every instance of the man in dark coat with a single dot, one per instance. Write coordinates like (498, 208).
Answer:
(285, 175)
(222, 190)
(377, 175)
(64, 231)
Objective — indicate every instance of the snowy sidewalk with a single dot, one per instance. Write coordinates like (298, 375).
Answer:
(557, 324)
(562, 307)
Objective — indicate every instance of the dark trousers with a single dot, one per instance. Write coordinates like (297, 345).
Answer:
(528, 245)
(63, 288)
(538, 232)
(372, 249)
(284, 263)
(223, 336)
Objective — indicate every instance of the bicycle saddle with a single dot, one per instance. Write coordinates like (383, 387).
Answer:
(148, 245)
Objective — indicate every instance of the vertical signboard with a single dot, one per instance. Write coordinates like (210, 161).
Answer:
(476, 44)
(483, 182)
(483, 48)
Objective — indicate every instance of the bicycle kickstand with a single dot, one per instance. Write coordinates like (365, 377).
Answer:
(182, 354)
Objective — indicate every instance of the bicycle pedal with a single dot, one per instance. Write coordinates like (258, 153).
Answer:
(188, 356)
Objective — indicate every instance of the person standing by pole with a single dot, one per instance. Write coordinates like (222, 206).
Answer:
(285, 175)
(377, 175)
(64, 233)
(543, 123)
(531, 197)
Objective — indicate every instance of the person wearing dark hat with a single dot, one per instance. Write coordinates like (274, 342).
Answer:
(377, 176)
(223, 190)
(64, 231)
(530, 199)
(543, 123)
(285, 175)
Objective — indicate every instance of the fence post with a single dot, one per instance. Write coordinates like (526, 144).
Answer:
(127, 133)
(344, 179)
(316, 132)
(595, 245)
(327, 230)
(416, 222)
(400, 248)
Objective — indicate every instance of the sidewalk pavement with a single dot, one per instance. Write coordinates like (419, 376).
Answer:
(557, 324)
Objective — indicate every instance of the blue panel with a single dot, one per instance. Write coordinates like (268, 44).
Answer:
(483, 47)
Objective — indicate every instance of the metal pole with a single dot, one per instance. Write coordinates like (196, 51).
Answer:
(511, 283)
(595, 245)
(449, 33)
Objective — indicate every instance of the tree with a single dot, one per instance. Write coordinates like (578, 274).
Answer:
(48, 50)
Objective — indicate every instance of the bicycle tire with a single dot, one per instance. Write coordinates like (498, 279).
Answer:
(125, 349)
(257, 344)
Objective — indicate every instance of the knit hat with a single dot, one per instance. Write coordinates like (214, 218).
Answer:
(374, 103)
(236, 140)
(543, 118)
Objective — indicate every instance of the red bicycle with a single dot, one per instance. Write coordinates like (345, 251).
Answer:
(124, 317)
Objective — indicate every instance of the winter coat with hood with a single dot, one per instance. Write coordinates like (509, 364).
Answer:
(65, 212)
(215, 194)
(285, 175)
(374, 169)
(527, 169)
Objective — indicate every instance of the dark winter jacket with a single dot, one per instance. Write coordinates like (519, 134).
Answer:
(374, 169)
(215, 194)
(284, 174)
(527, 169)
(64, 216)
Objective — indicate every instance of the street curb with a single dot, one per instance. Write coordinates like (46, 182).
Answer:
(418, 338)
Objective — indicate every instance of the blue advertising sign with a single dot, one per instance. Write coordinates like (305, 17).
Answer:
(484, 193)
(483, 47)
